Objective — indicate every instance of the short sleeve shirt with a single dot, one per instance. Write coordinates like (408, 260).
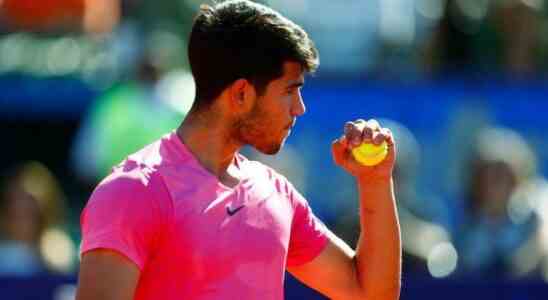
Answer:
(193, 237)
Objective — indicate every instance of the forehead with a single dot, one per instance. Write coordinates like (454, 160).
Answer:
(293, 73)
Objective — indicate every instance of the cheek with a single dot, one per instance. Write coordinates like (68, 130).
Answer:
(267, 119)
(260, 132)
(253, 128)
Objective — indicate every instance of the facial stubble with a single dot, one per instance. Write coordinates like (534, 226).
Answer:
(253, 129)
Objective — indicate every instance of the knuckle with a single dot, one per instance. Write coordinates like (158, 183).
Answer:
(348, 127)
(367, 131)
(374, 124)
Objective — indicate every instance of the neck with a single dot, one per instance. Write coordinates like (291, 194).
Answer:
(210, 140)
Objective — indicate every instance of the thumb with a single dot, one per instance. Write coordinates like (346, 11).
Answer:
(339, 150)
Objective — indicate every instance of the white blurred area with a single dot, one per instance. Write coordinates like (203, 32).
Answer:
(442, 260)
(359, 31)
(65, 292)
(355, 37)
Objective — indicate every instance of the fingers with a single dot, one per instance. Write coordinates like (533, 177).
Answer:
(353, 132)
(389, 137)
(358, 132)
(361, 131)
(372, 132)
(383, 135)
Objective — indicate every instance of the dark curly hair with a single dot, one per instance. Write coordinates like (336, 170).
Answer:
(237, 39)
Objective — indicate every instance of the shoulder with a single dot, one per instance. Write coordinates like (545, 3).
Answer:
(129, 211)
(140, 174)
(148, 157)
(167, 151)
(127, 178)
(130, 187)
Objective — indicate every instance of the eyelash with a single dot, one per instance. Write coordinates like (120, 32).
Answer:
(291, 91)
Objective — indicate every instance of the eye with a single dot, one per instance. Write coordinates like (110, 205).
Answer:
(294, 90)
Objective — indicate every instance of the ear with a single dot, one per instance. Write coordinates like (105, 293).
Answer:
(242, 95)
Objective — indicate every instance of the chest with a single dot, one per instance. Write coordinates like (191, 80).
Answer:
(226, 229)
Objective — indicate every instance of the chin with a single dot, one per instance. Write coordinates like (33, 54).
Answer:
(269, 149)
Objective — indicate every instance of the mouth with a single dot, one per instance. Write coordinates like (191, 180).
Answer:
(291, 125)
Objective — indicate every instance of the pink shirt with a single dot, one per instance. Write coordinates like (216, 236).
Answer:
(194, 238)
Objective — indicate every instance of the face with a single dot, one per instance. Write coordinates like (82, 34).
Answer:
(274, 114)
(21, 216)
(495, 183)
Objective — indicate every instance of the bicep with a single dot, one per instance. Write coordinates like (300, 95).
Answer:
(332, 272)
(106, 274)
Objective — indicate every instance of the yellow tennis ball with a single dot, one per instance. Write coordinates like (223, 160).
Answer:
(369, 154)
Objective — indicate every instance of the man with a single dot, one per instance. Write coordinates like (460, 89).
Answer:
(188, 217)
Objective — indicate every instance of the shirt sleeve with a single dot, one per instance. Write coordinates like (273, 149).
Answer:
(308, 234)
(124, 215)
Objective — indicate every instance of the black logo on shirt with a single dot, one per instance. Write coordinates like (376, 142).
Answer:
(232, 212)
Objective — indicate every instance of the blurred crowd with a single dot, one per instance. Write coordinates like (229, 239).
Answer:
(398, 39)
(132, 53)
(33, 236)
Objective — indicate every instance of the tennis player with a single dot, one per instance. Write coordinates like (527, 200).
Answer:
(189, 217)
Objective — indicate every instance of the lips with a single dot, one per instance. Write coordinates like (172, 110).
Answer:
(291, 125)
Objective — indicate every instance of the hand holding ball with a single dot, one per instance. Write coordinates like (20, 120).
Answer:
(369, 154)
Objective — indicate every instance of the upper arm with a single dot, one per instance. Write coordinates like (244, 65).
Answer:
(125, 215)
(332, 272)
(106, 274)
(317, 257)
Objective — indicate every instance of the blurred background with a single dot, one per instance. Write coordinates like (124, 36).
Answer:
(462, 84)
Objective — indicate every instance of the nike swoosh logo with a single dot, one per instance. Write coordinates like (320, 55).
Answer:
(232, 212)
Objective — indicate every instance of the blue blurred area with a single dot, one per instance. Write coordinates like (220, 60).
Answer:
(517, 104)
(37, 288)
(62, 288)
(25, 97)
(426, 107)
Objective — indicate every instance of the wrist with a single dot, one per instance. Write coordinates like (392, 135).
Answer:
(376, 193)
(374, 180)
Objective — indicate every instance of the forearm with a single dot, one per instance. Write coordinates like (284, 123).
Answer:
(378, 253)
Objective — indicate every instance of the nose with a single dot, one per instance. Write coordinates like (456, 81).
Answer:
(298, 108)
